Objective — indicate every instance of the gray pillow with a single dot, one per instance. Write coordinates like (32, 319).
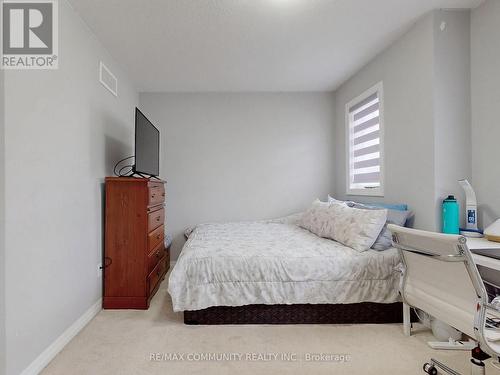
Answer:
(384, 240)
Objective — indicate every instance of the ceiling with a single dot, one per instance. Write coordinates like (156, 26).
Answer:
(249, 45)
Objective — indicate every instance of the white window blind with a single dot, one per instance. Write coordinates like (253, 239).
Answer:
(365, 151)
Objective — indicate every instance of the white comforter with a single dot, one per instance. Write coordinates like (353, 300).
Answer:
(237, 264)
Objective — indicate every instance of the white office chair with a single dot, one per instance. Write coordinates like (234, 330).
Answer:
(440, 278)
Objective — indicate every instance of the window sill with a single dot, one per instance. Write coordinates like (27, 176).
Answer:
(366, 192)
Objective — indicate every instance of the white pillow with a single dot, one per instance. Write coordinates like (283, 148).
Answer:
(317, 219)
(332, 199)
(353, 227)
(384, 239)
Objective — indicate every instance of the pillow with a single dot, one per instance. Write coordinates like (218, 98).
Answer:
(389, 206)
(355, 227)
(317, 218)
(394, 216)
(332, 199)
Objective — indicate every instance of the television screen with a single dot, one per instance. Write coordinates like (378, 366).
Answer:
(147, 146)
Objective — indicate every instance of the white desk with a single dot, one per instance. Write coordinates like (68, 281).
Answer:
(484, 244)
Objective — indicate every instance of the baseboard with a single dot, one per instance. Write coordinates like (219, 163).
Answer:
(48, 354)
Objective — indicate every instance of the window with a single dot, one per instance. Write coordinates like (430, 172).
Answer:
(365, 151)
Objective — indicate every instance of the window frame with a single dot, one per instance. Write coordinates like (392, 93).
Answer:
(378, 191)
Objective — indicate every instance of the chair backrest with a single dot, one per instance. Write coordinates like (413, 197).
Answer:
(440, 277)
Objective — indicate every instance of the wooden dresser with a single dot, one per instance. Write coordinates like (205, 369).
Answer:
(135, 258)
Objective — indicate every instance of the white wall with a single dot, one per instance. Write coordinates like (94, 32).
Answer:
(406, 70)
(427, 118)
(230, 157)
(452, 100)
(63, 133)
(2, 225)
(485, 84)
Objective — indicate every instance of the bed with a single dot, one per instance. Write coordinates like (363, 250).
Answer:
(276, 272)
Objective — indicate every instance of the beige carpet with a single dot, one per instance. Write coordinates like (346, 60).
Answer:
(121, 342)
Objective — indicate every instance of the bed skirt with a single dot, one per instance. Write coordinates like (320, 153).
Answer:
(365, 312)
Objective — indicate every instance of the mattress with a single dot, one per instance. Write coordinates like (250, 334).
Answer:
(236, 264)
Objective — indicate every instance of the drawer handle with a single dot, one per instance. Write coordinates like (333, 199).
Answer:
(158, 254)
(158, 218)
(107, 262)
(162, 194)
(158, 236)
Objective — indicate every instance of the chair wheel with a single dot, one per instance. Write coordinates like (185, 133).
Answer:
(430, 369)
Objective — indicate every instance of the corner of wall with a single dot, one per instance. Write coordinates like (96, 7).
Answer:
(2, 226)
(333, 188)
(485, 97)
(452, 98)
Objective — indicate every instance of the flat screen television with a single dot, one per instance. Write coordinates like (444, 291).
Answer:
(147, 146)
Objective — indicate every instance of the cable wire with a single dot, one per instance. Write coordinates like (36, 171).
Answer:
(423, 321)
(120, 174)
(118, 163)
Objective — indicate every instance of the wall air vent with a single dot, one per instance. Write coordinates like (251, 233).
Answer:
(108, 79)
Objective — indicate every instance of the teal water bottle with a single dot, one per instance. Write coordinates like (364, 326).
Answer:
(451, 216)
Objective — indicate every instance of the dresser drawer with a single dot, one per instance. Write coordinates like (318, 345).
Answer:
(155, 237)
(153, 183)
(155, 256)
(156, 194)
(155, 219)
(156, 275)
